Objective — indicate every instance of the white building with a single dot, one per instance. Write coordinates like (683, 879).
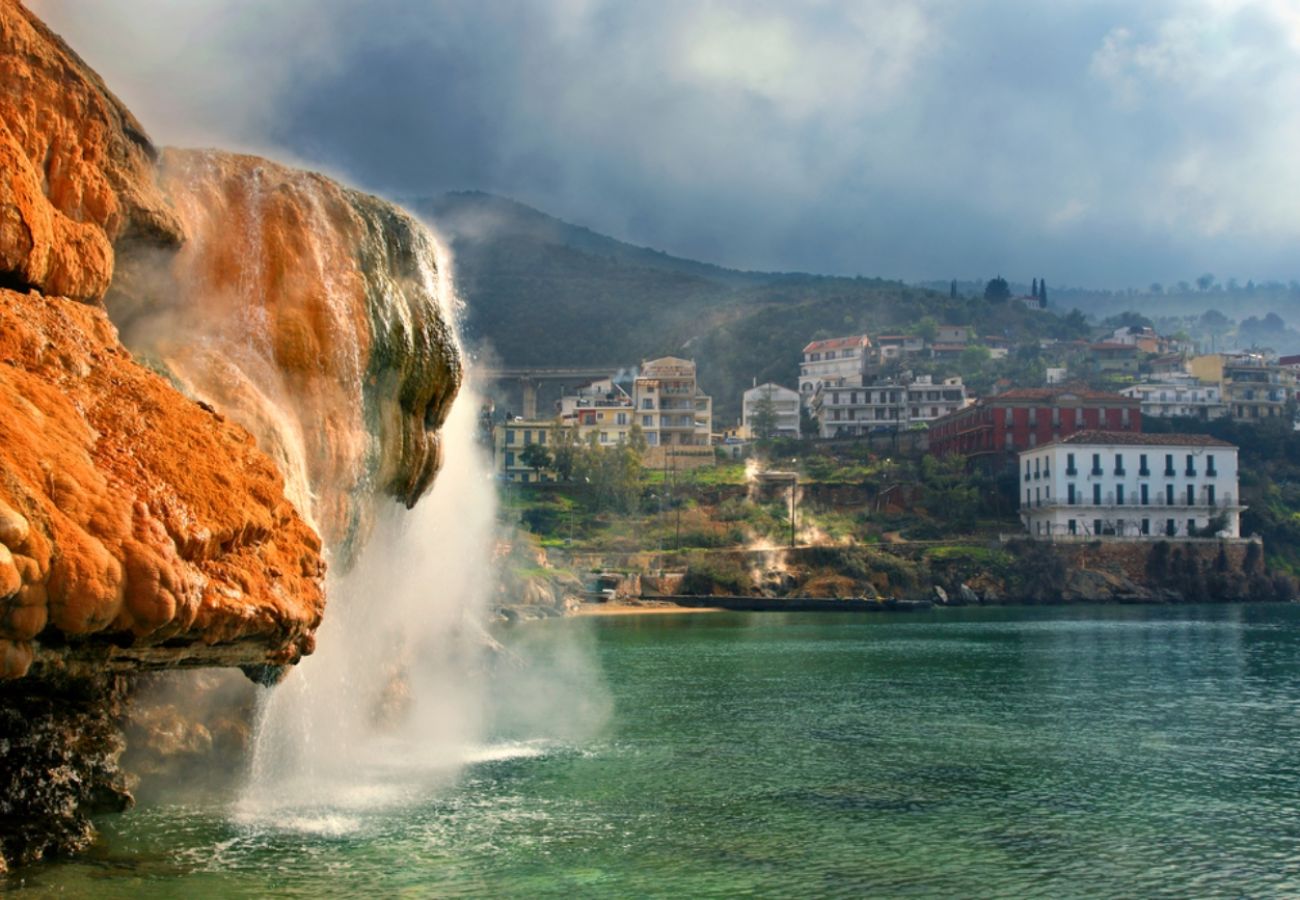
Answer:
(851, 410)
(1138, 486)
(675, 416)
(784, 406)
(1175, 395)
(831, 360)
(510, 440)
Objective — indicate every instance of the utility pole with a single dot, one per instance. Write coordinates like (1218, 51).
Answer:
(792, 487)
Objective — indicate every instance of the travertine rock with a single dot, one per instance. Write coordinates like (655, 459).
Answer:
(131, 517)
(76, 169)
(309, 313)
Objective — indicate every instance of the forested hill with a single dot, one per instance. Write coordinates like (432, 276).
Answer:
(541, 291)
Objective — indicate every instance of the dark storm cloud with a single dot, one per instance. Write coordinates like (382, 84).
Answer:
(1100, 143)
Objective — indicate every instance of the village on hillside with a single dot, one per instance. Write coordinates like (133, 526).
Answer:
(1088, 468)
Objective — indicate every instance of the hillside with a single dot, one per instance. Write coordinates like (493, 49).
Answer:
(541, 291)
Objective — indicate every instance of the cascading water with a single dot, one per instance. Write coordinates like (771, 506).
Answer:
(392, 699)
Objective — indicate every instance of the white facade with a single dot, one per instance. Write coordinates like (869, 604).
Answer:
(1174, 396)
(1139, 486)
(669, 406)
(830, 360)
(785, 408)
(852, 410)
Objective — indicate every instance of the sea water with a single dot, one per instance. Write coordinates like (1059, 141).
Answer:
(1054, 752)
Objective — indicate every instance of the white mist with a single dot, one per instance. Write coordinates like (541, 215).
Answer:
(391, 702)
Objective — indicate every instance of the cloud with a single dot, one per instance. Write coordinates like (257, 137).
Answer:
(1102, 143)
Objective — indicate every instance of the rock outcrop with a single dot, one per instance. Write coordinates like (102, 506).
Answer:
(310, 313)
(76, 169)
(156, 509)
(137, 528)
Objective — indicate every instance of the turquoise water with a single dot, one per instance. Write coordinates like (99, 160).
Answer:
(1105, 751)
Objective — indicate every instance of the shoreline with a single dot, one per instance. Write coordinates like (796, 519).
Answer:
(637, 609)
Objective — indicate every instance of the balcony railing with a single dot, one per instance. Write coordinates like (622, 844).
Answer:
(1112, 501)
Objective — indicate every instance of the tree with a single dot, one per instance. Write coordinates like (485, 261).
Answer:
(997, 290)
(1156, 288)
(927, 329)
(536, 457)
(1205, 282)
(1033, 292)
(565, 457)
(762, 421)
(1042, 293)
(952, 290)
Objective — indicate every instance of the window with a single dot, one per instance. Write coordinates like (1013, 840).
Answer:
(541, 438)
(1209, 495)
(1070, 495)
(1096, 495)
(1096, 526)
(1026, 470)
(1119, 495)
(1146, 495)
(1038, 473)
(528, 437)
(1072, 526)
(1191, 495)
(1170, 528)
(1096, 464)
(1169, 495)
(1038, 496)
(1119, 463)
(1027, 496)
(1191, 465)
(1209, 466)
(1169, 465)
(648, 403)
(622, 418)
(1146, 526)
(1069, 465)
(1142, 465)
(510, 458)
(647, 421)
(604, 437)
(510, 436)
(1191, 527)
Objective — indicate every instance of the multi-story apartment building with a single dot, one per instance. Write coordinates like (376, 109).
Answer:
(602, 411)
(511, 437)
(1254, 386)
(782, 403)
(674, 414)
(1182, 395)
(1023, 418)
(830, 360)
(851, 410)
(1140, 486)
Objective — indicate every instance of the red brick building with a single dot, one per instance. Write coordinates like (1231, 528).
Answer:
(1022, 418)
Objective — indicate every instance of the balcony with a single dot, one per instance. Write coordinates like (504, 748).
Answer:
(1144, 472)
(1071, 471)
(1096, 471)
(1190, 473)
(1121, 471)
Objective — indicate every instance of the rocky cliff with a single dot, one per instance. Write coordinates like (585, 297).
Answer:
(156, 509)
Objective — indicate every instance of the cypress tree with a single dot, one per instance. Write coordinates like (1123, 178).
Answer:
(952, 289)
(1034, 290)
(1042, 292)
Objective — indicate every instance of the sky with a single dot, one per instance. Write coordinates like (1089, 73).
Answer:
(1098, 144)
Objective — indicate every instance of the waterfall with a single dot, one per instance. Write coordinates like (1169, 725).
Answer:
(392, 699)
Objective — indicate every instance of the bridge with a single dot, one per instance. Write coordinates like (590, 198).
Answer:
(531, 377)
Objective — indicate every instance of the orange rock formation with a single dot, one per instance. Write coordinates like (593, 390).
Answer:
(131, 516)
(76, 169)
(310, 314)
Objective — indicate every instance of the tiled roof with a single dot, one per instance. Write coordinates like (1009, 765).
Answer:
(1129, 438)
(838, 343)
(1113, 345)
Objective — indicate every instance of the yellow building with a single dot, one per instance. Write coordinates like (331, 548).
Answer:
(1252, 387)
(510, 438)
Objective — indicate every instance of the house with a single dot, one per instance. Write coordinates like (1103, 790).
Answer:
(1112, 358)
(674, 414)
(952, 334)
(853, 410)
(1095, 484)
(781, 403)
(830, 359)
(601, 411)
(1253, 386)
(891, 347)
(509, 440)
(1023, 418)
(1184, 396)
(1143, 337)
